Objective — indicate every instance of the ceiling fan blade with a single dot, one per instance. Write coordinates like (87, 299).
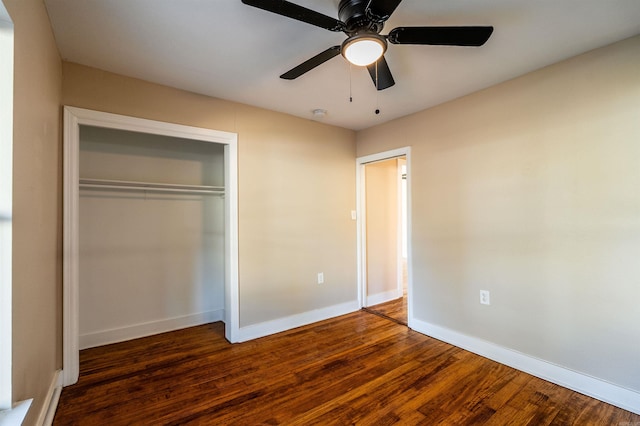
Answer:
(310, 64)
(299, 13)
(381, 76)
(381, 10)
(449, 36)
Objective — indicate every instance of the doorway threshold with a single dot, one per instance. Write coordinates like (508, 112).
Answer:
(383, 315)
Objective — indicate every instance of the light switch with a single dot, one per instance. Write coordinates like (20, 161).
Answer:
(485, 297)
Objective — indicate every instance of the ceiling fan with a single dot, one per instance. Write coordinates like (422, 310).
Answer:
(362, 21)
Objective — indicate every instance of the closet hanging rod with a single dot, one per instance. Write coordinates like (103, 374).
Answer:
(150, 186)
(151, 189)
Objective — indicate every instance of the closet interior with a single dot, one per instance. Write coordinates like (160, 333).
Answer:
(151, 234)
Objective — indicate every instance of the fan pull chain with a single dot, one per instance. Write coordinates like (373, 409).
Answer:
(350, 88)
(377, 91)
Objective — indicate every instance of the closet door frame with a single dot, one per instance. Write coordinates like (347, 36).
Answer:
(73, 119)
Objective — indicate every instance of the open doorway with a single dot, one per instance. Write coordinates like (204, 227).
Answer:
(383, 243)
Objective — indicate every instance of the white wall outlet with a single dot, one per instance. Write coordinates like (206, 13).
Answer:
(485, 297)
(320, 277)
(354, 215)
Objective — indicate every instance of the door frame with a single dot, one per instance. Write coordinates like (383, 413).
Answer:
(73, 119)
(361, 162)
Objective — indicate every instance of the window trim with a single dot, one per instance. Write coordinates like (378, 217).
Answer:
(6, 208)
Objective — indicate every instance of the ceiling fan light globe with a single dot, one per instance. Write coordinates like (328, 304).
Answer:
(363, 51)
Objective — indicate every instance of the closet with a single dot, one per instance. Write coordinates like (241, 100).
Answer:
(151, 240)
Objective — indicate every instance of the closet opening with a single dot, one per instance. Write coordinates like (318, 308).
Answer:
(150, 211)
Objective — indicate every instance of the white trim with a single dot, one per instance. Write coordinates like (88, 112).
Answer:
(4, 16)
(16, 414)
(70, 280)
(108, 120)
(579, 382)
(383, 156)
(361, 234)
(231, 291)
(362, 223)
(409, 239)
(6, 206)
(267, 328)
(50, 405)
(115, 335)
(73, 119)
(385, 296)
(399, 235)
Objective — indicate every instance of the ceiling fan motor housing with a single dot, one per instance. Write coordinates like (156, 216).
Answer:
(353, 14)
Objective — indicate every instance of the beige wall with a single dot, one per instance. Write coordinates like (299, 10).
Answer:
(36, 204)
(296, 190)
(530, 189)
(382, 200)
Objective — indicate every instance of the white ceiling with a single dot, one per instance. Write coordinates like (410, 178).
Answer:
(225, 49)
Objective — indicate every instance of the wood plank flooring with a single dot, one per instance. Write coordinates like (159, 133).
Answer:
(358, 369)
(395, 310)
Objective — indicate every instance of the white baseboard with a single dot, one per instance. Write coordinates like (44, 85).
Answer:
(385, 296)
(266, 328)
(48, 410)
(135, 331)
(579, 382)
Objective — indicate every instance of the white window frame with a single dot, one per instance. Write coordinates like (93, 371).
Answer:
(6, 196)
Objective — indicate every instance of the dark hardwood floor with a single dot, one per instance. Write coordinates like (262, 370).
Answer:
(356, 369)
(395, 310)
